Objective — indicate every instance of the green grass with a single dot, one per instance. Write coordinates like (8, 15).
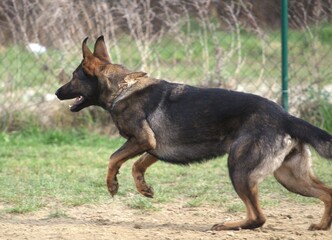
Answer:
(57, 213)
(60, 169)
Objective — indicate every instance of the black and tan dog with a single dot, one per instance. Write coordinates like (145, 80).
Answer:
(181, 124)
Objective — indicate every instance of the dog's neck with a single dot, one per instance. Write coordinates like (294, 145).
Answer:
(123, 88)
(127, 88)
(110, 87)
(117, 85)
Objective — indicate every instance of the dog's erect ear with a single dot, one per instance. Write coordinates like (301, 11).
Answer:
(90, 63)
(100, 50)
(132, 76)
(85, 50)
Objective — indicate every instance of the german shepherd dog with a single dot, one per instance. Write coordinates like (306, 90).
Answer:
(181, 124)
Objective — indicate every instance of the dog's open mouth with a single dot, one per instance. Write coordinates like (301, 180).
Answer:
(75, 106)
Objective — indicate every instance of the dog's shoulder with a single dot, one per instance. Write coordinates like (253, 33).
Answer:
(134, 83)
(137, 89)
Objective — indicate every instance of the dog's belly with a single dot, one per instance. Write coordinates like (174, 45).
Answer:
(188, 153)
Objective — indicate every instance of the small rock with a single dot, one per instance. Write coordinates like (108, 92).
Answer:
(230, 233)
(137, 226)
(211, 232)
(274, 238)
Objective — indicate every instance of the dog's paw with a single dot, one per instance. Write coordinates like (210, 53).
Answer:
(316, 227)
(222, 226)
(113, 187)
(147, 191)
(244, 224)
(142, 187)
(218, 227)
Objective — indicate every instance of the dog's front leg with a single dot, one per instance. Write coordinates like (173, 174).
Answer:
(128, 150)
(143, 141)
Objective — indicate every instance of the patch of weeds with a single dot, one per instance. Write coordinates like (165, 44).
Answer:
(24, 208)
(141, 203)
(57, 213)
(235, 207)
(270, 202)
(316, 109)
(196, 202)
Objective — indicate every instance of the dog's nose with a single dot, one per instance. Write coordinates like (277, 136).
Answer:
(57, 92)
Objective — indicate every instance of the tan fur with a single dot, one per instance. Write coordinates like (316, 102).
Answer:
(138, 170)
(131, 148)
(270, 164)
(132, 85)
(297, 176)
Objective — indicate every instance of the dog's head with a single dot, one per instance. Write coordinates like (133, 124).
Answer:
(92, 77)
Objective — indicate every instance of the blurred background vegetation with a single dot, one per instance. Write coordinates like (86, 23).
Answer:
(233, 44)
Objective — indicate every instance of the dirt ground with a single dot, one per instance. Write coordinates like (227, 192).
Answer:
(288, 221)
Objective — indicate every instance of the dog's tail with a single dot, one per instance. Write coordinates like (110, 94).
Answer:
(316, 137)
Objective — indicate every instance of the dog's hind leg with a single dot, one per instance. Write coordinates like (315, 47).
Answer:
(255, 217)
(243, 158)
(296, 175)
(138, 170)
(249, 162)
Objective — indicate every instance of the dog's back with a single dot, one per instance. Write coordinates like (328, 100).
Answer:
(193, 124)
